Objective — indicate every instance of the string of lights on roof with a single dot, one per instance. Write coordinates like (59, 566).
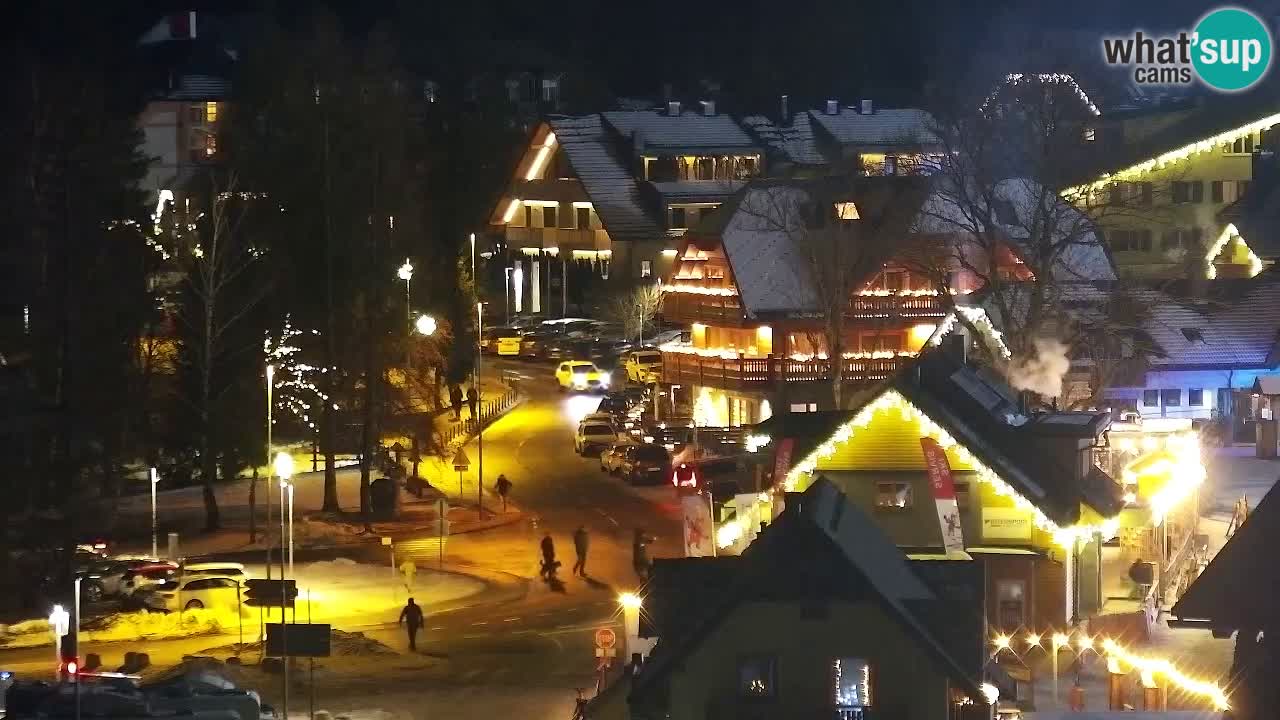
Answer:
(1172, 156)
(1228, 233)
(1016, 79)
(979, 319)
(698, 289)
(892, 400)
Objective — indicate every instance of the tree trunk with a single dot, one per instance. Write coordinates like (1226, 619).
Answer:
(253, 505)
(329, 416)
(208, 472)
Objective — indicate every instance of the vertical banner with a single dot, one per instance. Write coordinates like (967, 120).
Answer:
(782, 460)
(517, 284)
(535, 286)
(944, 494)
(699, 531)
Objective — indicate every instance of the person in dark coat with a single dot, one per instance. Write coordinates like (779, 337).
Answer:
(640, 553)
(411, 616)
(581, 540)
(504, 488)
(455, 399)
(473, 401)
(549, 563)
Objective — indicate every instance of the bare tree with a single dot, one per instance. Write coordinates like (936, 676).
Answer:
(215, 258)
(836, 235)
(635, 310)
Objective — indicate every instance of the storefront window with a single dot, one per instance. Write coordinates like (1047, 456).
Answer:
(757, 677)
(852, 682)
(893, 495)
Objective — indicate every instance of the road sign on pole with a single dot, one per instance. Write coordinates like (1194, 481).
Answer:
(460, 460)
(606, 639)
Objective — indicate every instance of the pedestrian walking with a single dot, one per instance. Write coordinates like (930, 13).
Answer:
(640, 553)
(455, 399)
(504, 486)
(411, 617)
(580, 543)
(473, 401)
(549, 563)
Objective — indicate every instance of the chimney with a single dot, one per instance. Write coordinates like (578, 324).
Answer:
(673, 108)
(868, 107)
(785, 101)
(708, 107)
(833, 107)
(956, 346)
(666, 92)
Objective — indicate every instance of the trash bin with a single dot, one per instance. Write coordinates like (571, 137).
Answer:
(382, 498)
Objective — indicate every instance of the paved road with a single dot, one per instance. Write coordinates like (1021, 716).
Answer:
(528, 645)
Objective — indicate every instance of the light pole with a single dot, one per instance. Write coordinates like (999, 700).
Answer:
(283, 465)
(405, 273)
(479, 406)
(271, 372)
(475, 287)
(506, 285)
(155, 479)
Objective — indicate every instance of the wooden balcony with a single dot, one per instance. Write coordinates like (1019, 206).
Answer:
(891, 306)
(759, 373)
(565, 239)
(721, 310)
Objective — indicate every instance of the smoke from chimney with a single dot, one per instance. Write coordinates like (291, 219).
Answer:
(1042, 371)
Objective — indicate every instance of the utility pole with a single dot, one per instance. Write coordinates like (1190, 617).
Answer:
(564, 286)
(480, 407)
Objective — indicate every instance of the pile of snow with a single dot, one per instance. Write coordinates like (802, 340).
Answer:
(124, 627)
(356, 644)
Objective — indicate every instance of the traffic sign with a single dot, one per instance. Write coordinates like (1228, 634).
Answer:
(460, 460)
(298, 640)
(270, 593)
(606, 638)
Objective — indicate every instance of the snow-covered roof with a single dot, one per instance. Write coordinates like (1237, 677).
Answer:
(1240, 331)
(689, 130)
(793, 143)
(200, 87)
(759, 240)
(887, 126)
(607, 180)
(1083, 257)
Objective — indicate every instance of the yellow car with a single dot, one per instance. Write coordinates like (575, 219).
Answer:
(581, 376)
(644, 366)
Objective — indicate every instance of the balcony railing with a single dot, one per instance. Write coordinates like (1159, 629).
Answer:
(723, 310)
(565, 239)
(747, 373)
(864, 306)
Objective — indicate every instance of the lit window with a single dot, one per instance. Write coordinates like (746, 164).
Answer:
(210, 145)
(646, 268)
(893, 495)
(847, 211)
(1090, 134)
(211, 112)
(851, 678)
(757, 677)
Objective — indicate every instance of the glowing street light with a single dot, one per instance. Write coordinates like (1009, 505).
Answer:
(155, 480)
(1001, 642)
(425, 325)
(405, 273)
(283, 465)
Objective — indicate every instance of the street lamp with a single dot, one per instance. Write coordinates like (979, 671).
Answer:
(506, 285)
(283, 465)
(155, 480)
(425, 325)
(405, 273)
(271, 371)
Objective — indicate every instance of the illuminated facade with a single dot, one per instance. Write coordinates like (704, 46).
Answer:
(1176, 180)
(745, 285)
(614, 191)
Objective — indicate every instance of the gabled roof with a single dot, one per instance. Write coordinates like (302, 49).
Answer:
(847, 558)
(763, 226)
(686, 131)
(606, 178)
(1257, 217)
(792, 143)
(1237, 328)
(1240, 588)
(883, 128)
(982, 413)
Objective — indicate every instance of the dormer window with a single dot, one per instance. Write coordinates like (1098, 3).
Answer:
(1193, 335)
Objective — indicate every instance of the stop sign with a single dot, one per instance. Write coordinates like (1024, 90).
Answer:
(606, 639)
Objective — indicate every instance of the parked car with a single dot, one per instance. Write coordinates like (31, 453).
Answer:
(594, 437)
(192, 593)
(101, 579)
(508, 342)
(611, 457)
(668, 336)
(534, 345)
(644, 366)
(145, 576)
(220, 569)
(615, 404)
(489, 339)
(648, 463)
(581, 376)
